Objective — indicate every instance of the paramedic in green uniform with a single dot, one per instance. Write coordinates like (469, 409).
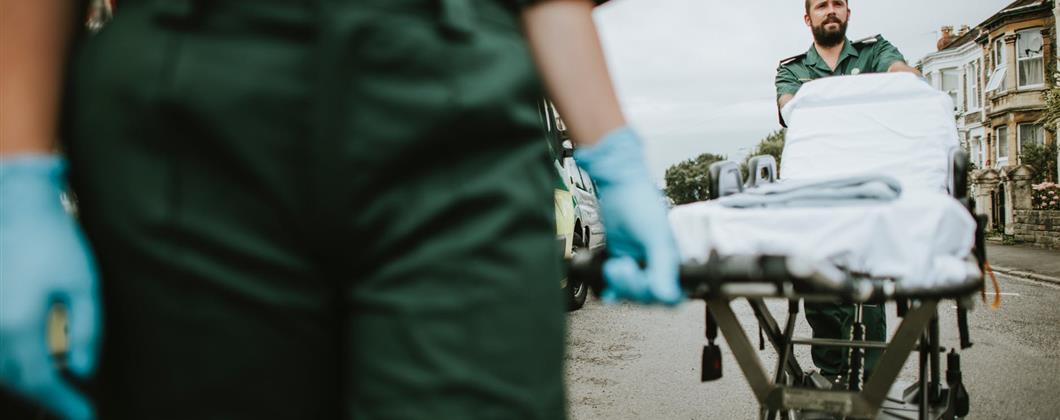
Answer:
(314, 209)
(832, 54)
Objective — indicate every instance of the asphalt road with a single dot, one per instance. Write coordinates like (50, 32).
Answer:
(630, 362)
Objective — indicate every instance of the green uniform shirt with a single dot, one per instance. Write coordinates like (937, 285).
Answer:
(827, 319)
(869, 55)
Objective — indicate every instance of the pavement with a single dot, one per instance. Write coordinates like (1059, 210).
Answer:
(633, 362)
(1024, 261)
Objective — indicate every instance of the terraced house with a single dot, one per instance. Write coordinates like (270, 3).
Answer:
(1019, 41)
(957, 69)
(997, 74)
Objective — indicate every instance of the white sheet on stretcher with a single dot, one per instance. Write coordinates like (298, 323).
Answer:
(881, 124)
(922, 238)
(887, 124)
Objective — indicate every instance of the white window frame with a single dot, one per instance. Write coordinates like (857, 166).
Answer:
(999, 54)
(962, 91)
(997, 76)
(975, 147)
(997, 80)
(999, 142)
(955, 92)
(1020, 61)
(971, 88)
(983, 158)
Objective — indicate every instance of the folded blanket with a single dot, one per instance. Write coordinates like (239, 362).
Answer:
(821, 193)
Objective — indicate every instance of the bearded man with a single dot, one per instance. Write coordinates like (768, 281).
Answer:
(832, 54)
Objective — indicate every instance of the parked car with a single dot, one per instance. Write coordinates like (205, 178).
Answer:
(578, 223)
(590, 227)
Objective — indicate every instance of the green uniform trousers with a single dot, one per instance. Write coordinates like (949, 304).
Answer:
(318, 209)
(834, 321)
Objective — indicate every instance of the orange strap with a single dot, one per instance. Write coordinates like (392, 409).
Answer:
(997, 287)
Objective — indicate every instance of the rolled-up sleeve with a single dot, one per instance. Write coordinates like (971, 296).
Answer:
(787, 82)
(524, 3)
(886, 55)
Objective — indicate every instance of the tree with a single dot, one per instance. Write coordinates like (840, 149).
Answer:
(772, 145)
(1051, 120)
(1041, 158)
(1051, 117)
(689, 181)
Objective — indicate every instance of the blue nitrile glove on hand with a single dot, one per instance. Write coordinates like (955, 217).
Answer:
(634, 217)
(44, 260)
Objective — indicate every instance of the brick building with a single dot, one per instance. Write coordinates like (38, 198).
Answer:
(997, 74)
(1017, 42)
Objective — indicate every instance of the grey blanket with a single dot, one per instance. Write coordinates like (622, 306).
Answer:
(825, 193)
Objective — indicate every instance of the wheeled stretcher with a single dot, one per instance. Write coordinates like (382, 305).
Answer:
(873, 209)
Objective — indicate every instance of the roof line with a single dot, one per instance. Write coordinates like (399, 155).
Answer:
(1026, 6)
(1010, 11)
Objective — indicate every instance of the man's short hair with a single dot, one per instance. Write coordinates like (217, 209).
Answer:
(808, 5)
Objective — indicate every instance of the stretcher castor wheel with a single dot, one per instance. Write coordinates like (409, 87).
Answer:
(711, 363)
(959, 405)
(711, 352)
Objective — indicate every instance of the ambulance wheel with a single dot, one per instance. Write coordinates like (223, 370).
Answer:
(576, 292)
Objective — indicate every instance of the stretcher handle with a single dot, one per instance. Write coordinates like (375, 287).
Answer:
(773, 276)
(701, 280)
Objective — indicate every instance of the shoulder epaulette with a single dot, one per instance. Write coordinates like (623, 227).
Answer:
(867, 41)
(792, 59)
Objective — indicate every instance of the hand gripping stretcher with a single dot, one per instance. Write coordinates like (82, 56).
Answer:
(872, 209)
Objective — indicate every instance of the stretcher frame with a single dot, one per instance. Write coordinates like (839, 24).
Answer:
(790, 392)
(785, 393)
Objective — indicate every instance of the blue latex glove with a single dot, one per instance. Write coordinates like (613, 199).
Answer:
(635, 220)
(44, 260)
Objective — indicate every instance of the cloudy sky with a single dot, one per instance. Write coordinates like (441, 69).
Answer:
(696, 76)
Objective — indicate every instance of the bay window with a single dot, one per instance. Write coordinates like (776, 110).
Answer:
(1029, 47)
(1030, 134)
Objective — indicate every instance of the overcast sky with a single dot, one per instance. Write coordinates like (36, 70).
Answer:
(696, 76)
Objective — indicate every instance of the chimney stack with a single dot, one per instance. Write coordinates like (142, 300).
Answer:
(947, 36)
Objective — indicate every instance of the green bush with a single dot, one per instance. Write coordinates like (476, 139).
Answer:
(689, 181)
(1040, 157)
(772, 145)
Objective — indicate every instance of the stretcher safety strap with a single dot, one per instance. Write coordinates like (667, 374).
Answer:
(997, 287)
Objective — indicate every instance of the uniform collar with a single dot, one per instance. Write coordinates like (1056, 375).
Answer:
(814, 59)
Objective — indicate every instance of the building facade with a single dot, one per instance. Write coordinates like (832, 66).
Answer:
(957, 69)
(997, 74)
(1017, 43)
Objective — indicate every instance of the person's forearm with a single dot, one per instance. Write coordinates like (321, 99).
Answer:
(784, 99)
(567, 49)
(900, 66)
(33, 39)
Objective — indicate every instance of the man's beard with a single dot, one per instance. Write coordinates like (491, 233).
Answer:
(826, 38)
